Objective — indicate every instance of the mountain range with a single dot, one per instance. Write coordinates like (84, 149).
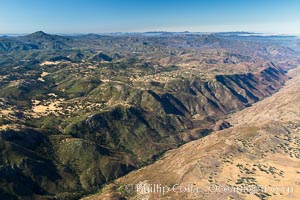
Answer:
(78, 112)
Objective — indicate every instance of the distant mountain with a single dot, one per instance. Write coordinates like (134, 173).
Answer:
(8, 44)
(100, 57)
(89, 36)
(46, 41)
(236, 33)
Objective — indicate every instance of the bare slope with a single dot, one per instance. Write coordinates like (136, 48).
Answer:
(261, 149)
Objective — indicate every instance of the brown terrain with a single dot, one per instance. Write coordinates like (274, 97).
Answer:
(79, 113)
(257, 158)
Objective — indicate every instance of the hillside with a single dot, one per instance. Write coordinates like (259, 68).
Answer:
(261, 149)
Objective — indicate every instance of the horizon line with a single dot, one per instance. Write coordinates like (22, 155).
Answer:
(253, 33)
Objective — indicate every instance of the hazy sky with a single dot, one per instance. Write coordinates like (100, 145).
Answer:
(87, 16)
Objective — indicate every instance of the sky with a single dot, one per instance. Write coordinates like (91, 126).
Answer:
(100, 16)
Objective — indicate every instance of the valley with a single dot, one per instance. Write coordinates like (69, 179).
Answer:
(256, 158)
